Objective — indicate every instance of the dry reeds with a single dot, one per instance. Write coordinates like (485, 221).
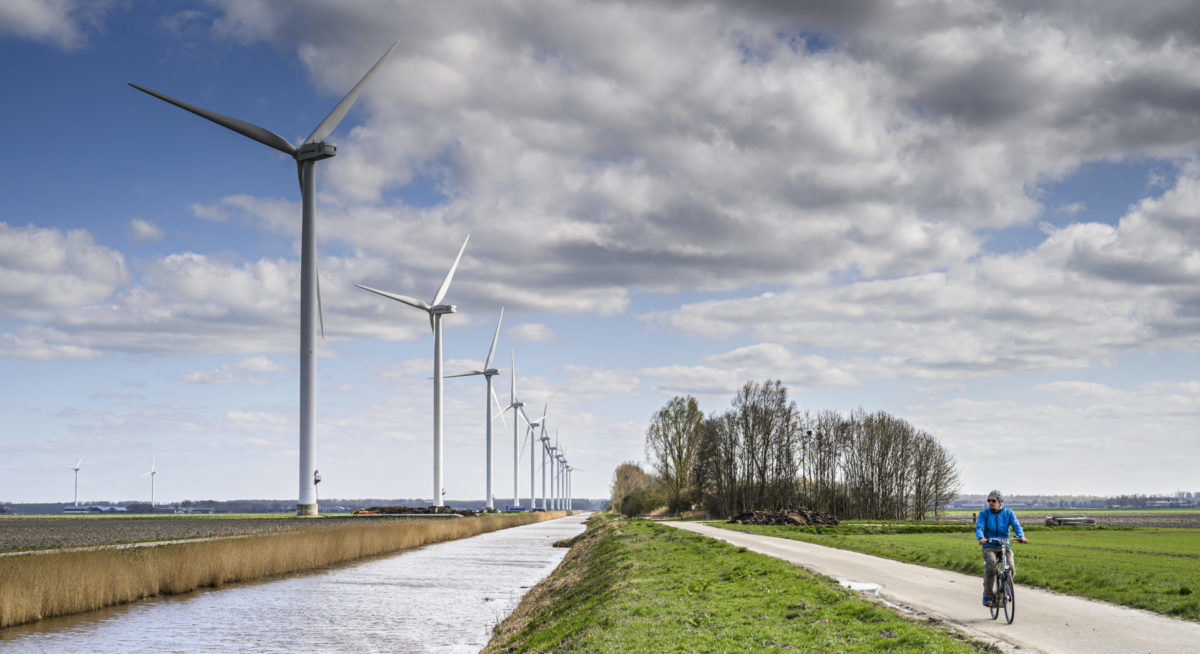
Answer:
(36, 586)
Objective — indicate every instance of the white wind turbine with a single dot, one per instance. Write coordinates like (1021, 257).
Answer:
(312, 150)
(567, 470)
(76, 468)
(562, 477)
(534, 424)
(547, 460)
(435, 310)
(151, 474)
(488, 372)
(518, 415)
(554, 450)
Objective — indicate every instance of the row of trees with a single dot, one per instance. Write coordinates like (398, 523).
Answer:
(764, 453)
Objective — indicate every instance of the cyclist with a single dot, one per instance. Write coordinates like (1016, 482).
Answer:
(995, 523)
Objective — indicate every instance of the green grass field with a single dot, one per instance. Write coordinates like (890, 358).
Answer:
(637, 586)
(1157, 569)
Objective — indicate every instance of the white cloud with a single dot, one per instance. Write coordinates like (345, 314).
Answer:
(63, 23)
(1071, 209)
(531, 332)
(32, 343)
(47, 269)
(261, 364)
(144, 230)
(1076, 437)
(722, 374)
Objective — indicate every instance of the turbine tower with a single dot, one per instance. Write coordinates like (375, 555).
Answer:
(76, 468)
(312, 150)
(545, 440)
(488, 372)
(153, 463)
(435, 310)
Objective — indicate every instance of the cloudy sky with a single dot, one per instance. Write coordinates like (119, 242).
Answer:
(982, 217)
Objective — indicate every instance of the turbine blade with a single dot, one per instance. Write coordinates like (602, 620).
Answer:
(249, 130)
(499, 413)
(437, 299)
(464, 374)
(512, 382)
(320, 311)
(412, 302)
(488, 363)
(339, 112)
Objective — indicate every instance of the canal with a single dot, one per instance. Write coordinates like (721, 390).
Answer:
(440, 598)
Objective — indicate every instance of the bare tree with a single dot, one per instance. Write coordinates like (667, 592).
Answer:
(671, 442)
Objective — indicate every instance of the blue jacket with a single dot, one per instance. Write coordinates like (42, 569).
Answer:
(996, 525)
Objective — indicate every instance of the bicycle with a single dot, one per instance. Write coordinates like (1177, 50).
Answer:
(1003, 596)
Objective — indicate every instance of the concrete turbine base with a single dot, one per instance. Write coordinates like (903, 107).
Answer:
(306, 510)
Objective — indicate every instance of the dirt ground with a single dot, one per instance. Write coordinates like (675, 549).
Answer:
(20, 533)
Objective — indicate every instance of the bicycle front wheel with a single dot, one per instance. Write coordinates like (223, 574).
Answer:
(1010, 602)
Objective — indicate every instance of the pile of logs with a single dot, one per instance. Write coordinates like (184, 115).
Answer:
(799, 517)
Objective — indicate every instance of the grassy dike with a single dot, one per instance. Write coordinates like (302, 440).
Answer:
(636, 586)
(35, 586)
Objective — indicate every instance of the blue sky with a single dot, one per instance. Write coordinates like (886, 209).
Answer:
(978, 216)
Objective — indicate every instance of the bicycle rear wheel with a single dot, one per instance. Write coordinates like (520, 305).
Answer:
(995, 607)
(1010, 603)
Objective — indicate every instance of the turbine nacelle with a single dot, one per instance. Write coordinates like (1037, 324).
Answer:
(442, 309)
(315, 151)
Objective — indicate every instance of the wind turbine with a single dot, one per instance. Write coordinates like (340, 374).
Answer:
(518, 415)
(76, 468)
(435, 310)
(312, 150)
(488, 372)
(562, 477)
(552, 450)
(547, 461)
(540, 422)
(153, 463)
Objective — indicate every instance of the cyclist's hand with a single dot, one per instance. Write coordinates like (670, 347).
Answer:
(983, 541)
(1022, 540)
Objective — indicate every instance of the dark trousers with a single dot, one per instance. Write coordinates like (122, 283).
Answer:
(991, 557)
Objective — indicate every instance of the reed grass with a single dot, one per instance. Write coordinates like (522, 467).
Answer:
(35, 586)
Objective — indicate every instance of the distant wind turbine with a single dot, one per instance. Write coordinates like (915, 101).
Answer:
(435, 310)
(540, 422)
(312, 150)
(553, 450)
(153, 463)
(518, 415)
(488, 372)
(76, 468)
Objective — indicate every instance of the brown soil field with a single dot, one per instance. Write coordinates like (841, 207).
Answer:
(19, 533)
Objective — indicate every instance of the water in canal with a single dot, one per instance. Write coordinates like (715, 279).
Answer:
(441, 598)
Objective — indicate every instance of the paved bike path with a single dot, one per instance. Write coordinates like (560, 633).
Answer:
(1045, 621)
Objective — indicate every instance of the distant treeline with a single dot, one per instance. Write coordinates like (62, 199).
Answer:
(764, 453)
